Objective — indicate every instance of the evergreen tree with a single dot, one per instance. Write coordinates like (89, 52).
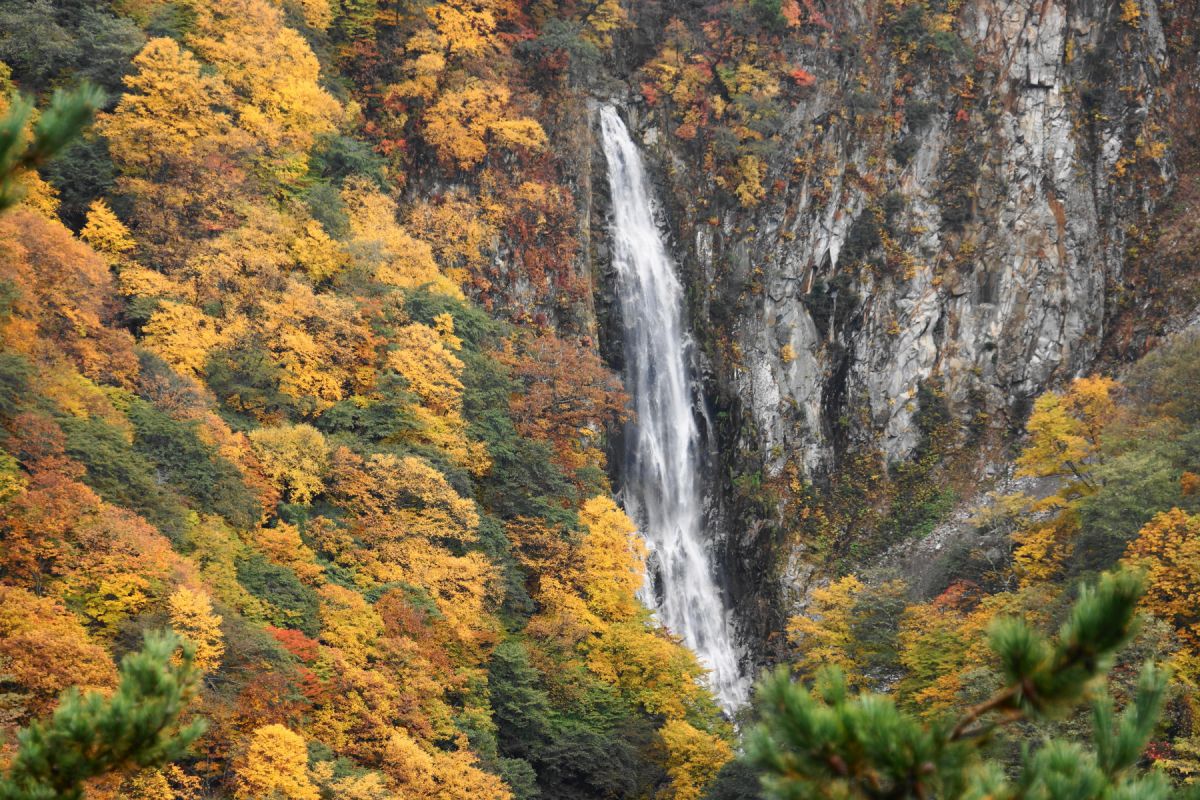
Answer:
(92, 735)
(824, 742)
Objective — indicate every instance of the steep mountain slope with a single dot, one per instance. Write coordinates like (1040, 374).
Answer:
(249, 397)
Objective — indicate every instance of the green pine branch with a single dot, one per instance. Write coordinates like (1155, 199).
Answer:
(65, 118)
(92, 735)
(824, 742)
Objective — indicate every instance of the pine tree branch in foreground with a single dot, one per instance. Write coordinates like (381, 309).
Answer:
(826, 743)
(92, 735)
(65, 118)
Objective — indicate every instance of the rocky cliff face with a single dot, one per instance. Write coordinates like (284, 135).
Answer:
(952, 232)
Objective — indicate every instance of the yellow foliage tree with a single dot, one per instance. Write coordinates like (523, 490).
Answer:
(1168, 549)
(244, 263)
(437, 775)
(168, 783)
(274, 74)
(283, 545)
(750, 173)
(649, 669)
(1043, 547)
(463, 123)
(364, 786)
(612, 560)
(466, 27)
(276, 766)
(318, 14)
(317, 254)
(294, 457)
(694, 757)
(168, 135)
(216, 550)
(461, 237)
(426, 361)
(105, 232)
(822, 636)
(319, 342)
(192, 617)
(943, 640)
(602, 20)
(169, 111)
(378, 244)
(183, 336)
(1064, 429)
(350, 623)
(398, 498)
(425, 358)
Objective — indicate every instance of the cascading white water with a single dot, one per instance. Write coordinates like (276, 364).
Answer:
(662, 489)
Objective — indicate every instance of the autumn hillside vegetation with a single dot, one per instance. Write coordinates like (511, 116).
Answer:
(262, 386)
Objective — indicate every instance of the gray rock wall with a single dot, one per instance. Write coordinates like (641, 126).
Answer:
(999, 309)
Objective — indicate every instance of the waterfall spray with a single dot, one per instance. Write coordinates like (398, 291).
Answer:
(663, 449)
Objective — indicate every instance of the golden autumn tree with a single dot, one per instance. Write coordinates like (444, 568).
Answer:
(349, 623)
(694, 757)
(363, 786)
(274, 77)
(650, 669)
(396, 498)
(319, 342)
(824, 634)
(612, 560)
(1064, 441)
(192, 618)
(295, 457)
(282, 544)
(461, 234)
(275, 765)
(167, 783)
(463, 125)
(425, 775)
(168, 111)
(170, 136)
(1168, 549)
(385, 249)
(1043, 547)
(1064, 429)
(183, 336)
(467, 27)
(588, 601)
(316, 253)
(426, 358)
(105, 232)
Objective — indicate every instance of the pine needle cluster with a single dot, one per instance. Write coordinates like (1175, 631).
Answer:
(68, 114)
(824, 742)
(92, 735)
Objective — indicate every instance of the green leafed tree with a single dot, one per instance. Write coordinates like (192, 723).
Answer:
(826, 742)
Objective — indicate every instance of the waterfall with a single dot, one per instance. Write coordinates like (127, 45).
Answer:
(662, 490)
